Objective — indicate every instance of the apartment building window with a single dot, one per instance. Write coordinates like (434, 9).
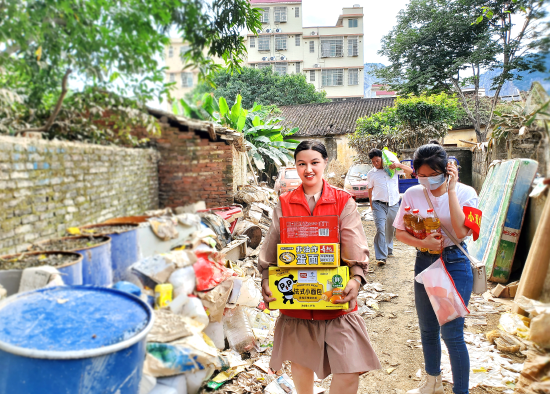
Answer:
(333, 47)
(333, 77)
(172, 77)
(170, 51)
(280, 14)
(186, 80)
(265, 15)
(263, 43)
(280, 43)
(312, 76)
(184, 49)
(252, 42)
(264, 65)
(297, 40)
(353, 76)
(353, 48)
(297, 12)
(352, 23)
(297, 68)
(311, 47)
(280, 68)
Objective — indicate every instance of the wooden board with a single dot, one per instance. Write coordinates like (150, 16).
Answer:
(504, 256)
(494, 201)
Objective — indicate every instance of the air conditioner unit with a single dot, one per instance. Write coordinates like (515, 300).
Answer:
(264, 58)
(278, 30)
(283, 58)
(317, 65)
(313, 33)
(272, 58)
(268, 30)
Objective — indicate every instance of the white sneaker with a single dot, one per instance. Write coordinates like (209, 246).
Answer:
(429, 385)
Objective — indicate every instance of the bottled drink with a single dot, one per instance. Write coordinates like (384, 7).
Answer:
(237, 330)
(432, 225)
(419, 231)
(407, 218)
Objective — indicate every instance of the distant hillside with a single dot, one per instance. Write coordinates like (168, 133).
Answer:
(370, 79)
(510, 88)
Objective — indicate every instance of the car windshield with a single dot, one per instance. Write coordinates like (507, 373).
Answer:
(291, 174)
(360, 169)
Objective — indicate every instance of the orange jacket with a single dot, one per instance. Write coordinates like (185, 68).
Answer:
(332, 202)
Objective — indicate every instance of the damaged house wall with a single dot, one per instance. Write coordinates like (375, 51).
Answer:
(47, 186)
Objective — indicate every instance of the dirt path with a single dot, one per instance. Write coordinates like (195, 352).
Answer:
(394, 325)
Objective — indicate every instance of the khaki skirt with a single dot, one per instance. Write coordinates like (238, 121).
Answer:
(340, 345)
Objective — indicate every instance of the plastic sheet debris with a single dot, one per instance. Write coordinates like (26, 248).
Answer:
(445, 299)
(210, 271)
(220, 227)
(214, 301)
(164, 227)
(178, 383)
(157, 269)
(249, 294)
(493, 369)
(515, 324)
(183, 280)
(189, 354)
(214, 330)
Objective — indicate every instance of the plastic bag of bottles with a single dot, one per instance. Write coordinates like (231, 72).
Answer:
(444, 297)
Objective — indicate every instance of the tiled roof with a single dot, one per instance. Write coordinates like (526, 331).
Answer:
(334, 118)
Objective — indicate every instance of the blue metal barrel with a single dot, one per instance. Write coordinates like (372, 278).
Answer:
(124, 247)
(73, 340)
(96, 262)
(71, 272)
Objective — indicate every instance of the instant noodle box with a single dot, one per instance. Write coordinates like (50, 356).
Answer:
(308, 255)
(315, 288)
(305, 229)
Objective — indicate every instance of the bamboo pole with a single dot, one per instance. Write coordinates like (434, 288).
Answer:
(538, 260)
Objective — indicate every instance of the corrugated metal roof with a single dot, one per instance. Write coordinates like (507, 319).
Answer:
(334, 118)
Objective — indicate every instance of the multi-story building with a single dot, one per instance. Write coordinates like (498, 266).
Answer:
(331, 57)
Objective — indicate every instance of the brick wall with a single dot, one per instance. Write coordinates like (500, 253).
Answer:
(47, 186)
(192, 169)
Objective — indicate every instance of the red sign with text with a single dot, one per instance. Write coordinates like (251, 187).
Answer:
(472, 220)
(309, 229)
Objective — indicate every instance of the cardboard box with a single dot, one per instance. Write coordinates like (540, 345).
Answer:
(314, 288)
(308, 255)
(309, 229)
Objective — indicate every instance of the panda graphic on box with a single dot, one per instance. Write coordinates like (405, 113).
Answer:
(285, 285)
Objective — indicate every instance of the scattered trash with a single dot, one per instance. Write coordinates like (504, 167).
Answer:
(535, 376)
(515, 324)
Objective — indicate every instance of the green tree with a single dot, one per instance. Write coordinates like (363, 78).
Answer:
(411, 122)
(262, 86)
(113, 43)
(445, 45)
(266, 138)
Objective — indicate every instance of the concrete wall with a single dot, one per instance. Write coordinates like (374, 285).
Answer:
(47, 186)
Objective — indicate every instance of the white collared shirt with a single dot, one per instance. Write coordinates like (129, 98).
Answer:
(383, 187)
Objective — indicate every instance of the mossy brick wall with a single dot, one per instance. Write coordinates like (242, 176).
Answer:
(47, 186)
(194, 169)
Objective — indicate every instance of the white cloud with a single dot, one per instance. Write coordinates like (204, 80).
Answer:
(379, 18)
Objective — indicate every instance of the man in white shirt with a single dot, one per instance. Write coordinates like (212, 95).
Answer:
(384, 201)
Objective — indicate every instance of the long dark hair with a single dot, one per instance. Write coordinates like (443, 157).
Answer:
(433, 155)
(311, 145)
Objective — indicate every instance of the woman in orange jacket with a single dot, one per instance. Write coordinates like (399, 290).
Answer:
(321, 341)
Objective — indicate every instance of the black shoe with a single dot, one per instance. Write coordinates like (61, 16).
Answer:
(381, 262)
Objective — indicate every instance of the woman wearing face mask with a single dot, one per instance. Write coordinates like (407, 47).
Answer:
(321, 341)
(448, 196)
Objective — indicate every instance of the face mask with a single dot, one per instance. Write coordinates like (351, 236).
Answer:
(432, 182)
